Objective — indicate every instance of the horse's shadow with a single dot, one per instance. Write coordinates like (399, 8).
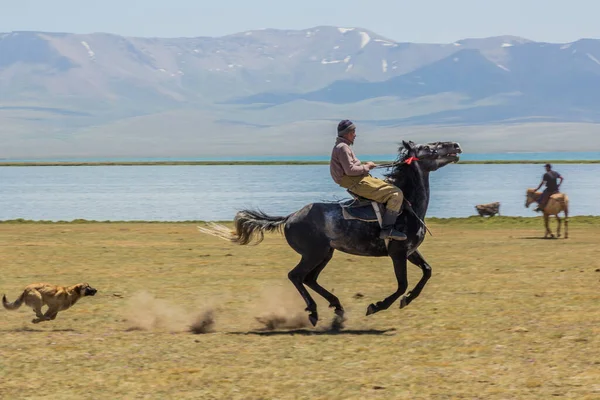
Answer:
(28, 329)
(328, 332)
(537, 238)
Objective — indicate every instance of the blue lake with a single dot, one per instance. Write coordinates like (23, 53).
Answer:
(558, 155)
(180, 193)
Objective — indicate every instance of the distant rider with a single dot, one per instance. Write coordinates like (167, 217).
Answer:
(348, 172)
(550, 179)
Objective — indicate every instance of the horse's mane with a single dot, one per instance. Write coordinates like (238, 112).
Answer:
(403, 175)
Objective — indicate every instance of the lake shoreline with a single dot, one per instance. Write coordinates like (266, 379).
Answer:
(241, 163)
(471, 220)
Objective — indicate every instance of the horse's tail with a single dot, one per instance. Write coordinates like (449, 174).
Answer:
(248, 224)
(251, 225)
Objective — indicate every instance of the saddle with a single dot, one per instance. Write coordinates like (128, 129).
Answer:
(362, 209)
(367, 210)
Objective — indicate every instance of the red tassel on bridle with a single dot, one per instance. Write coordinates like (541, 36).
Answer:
(409, 160)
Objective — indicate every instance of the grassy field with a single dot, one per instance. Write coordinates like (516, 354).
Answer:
(505, 316)
(141, 163)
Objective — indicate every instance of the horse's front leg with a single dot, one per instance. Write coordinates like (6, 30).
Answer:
(400, 271)
(417, 259)
(547, 225)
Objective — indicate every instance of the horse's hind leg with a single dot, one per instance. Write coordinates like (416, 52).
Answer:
(559, 224)
(311, 282)
(298, 276)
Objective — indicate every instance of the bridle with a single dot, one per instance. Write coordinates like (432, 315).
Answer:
(407, 161)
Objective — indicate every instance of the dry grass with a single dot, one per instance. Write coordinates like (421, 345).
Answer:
(504, 317)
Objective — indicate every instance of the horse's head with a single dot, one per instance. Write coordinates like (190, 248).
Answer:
(531, 197)
(411, 171)
(432, 156)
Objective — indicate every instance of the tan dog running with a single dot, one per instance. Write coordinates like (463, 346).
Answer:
(57, 298)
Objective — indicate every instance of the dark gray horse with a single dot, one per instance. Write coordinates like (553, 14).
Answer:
(318, 229)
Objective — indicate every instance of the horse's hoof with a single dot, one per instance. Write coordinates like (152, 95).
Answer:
(372, 309)
(403, 301)
(313, 318)
(339, 312)
(338, 323)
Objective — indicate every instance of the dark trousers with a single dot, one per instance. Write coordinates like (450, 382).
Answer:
(545, 197)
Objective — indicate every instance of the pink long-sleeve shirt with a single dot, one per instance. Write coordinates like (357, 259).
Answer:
(344, 162)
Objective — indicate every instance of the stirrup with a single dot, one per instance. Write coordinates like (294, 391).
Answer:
(392, 234)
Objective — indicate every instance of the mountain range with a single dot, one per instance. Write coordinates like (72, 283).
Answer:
(253, 93)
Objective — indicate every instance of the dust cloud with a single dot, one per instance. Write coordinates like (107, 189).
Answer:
(146, 312)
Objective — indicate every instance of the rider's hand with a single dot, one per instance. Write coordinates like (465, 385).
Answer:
(370, 165)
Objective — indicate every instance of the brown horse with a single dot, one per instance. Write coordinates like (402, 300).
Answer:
(556, 203)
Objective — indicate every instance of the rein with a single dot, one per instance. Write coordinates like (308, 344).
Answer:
(409, 208)
(407, 161)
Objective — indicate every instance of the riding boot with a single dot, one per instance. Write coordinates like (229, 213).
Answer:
(540, 207)
(388, 231)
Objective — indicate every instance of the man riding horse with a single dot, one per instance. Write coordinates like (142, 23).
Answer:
(317, 230)
(348, 172)
(552, 186)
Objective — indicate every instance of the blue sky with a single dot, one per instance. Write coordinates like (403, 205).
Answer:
(434, 21)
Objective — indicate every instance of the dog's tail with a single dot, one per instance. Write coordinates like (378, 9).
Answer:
(15, 304)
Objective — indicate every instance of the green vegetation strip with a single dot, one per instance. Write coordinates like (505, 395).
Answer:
(499, 221)
(144, 163)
